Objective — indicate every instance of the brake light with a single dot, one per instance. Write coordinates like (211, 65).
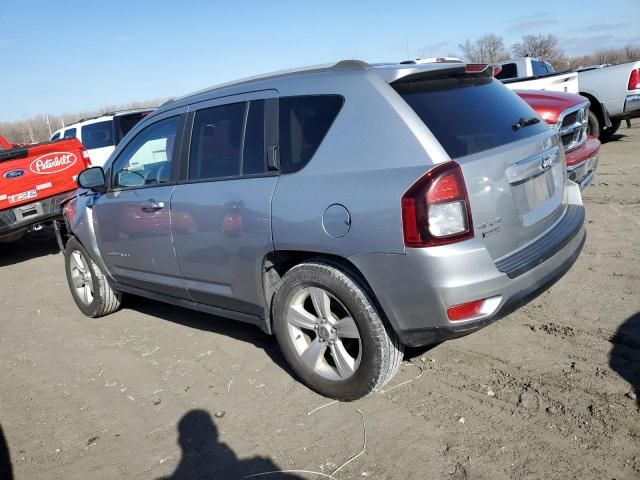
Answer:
(634, 80)
(435, 210)
(475, 67)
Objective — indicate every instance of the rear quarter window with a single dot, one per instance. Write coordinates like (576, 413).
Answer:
(70, 133)
(303, 123)
(98, 135)
(470, 114)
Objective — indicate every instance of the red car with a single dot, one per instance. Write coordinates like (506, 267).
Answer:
(568, 113)
(33, 181)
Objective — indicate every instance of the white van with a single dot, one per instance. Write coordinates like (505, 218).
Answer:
(100, 135)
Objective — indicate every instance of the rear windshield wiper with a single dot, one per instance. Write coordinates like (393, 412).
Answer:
(525, 122)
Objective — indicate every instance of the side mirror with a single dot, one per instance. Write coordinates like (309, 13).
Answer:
(93, 179)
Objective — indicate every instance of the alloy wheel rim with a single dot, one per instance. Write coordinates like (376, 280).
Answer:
(81, 277)
(324, 334)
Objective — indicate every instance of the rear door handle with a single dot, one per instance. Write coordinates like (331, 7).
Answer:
(151, 206)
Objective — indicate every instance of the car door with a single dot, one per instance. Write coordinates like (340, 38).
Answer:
(133, 220)
(220, 211)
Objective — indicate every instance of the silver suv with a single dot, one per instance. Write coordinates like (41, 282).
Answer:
(351, 210)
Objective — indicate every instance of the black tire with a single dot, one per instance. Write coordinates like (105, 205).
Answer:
(593, 125)
(381, 351)
(105, 300)
(607, 133)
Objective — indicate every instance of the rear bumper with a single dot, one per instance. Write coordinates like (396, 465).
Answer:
(14, 219)
(582, 162)
(632, 105)
(416, 289)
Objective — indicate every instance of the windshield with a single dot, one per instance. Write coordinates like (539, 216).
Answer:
(471, 114)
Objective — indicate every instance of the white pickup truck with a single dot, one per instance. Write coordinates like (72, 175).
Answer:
(613, 91)
(535, 74)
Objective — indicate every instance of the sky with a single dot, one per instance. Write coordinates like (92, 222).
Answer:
(65, 57)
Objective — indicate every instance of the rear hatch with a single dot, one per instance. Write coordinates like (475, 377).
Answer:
(511, 160)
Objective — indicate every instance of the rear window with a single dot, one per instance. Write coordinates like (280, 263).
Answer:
(304, 122)
(56, 136)
(539, 69)
(471, 114)
(98, 135)
(509, 70)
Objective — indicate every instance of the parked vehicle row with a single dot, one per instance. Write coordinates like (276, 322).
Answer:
(350, 210)
(613, 90)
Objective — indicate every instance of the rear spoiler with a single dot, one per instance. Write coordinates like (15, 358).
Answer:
(461, 70)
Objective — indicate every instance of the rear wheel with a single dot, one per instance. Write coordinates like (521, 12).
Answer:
(89, 286)
(331, 333)
(593, 125)
(607, 133)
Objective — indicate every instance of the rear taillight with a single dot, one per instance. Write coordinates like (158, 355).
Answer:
(634, 80)
(435, 210)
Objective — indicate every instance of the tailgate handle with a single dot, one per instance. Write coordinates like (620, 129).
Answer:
(151, 206)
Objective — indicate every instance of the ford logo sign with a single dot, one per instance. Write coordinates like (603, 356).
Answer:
(13, 174)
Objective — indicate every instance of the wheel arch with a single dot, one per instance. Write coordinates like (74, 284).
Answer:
(277, 263)
(595, 107)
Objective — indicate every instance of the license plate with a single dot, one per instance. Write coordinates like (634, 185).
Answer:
(23, 196)
(26, 211)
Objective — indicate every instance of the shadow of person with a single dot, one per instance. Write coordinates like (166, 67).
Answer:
(6, 472)
(624, 357)
(204, 457)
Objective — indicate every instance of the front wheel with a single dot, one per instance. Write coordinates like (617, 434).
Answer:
(89, 286)
(332, 334)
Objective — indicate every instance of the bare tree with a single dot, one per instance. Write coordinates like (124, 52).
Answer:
(36, 128)
(543, 46)
(489, 48)
(632, 52)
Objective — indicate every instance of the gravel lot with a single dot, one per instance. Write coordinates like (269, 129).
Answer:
(157, 391)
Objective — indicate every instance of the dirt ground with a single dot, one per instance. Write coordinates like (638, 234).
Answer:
(157, 391)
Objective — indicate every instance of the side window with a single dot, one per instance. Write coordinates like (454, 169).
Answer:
(146, 160)
(70, 133)
(304, 122)
(56, 136)
(509, 70)
(216, 142)
(98, 135)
